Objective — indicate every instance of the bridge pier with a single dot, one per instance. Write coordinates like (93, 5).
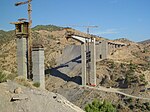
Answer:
(38, 66)
(93, 64)
(83, 62)
(22, 56)
(104, 49)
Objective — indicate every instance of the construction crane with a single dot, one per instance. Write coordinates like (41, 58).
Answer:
(88, 27)
(88, 47)
(29, 35)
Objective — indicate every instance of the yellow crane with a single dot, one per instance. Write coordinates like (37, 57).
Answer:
(29, 35)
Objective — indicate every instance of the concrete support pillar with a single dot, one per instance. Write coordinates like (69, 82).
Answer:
(104, 49)
(98, 52)
(83, 60)
(38, 66)
(22, 56)
(93, 64)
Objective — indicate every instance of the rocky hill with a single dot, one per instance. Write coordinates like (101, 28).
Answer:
(127, 69)
(17, 98)
(145, 42)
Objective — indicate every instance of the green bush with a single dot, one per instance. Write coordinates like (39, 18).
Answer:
(132, 66)
(3, 77)
(142, 78)
(112, 65)
(98, 106)
(36, 84)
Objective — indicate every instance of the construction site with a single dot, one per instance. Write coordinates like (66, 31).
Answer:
(79, 66)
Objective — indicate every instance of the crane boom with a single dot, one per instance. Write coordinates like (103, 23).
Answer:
(21, 3)
(88, 27)
(91, 26)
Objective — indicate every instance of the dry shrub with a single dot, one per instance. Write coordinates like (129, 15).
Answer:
(23, 81)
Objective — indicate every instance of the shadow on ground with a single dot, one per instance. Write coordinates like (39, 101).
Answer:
(57, 73)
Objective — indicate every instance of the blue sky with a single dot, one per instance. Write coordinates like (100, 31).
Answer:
(115, 18)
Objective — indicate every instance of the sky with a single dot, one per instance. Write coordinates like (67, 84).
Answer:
(115, 18)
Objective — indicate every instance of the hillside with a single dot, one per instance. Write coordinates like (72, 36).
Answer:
(17, 98)
(145, 42)
(47, 28)
(127, 69)
(6, 36)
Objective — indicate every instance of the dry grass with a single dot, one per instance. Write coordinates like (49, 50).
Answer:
(23, 81)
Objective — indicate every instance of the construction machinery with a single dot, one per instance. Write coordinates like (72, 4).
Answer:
(29, 35)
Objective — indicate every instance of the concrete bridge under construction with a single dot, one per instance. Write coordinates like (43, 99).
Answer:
(76, 57)
(88, 53)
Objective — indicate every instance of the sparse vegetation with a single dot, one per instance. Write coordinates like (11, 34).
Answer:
(12, 76)
(22, 81)
(132, 66)
(147, 104)
(136, 104)
(112, 64)
(100, 106)
(3, 77)
(47, 27)
(6, 36)
(145, 50)
(52, 63)
(36, 84)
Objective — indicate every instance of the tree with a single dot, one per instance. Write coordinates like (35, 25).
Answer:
(100, 106)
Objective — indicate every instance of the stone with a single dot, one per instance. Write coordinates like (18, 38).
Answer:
(18, 90)
(19, 97)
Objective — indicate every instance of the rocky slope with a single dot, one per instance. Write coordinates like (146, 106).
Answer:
(17, 98)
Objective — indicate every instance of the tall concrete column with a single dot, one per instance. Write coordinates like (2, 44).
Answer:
(83, 62)
(38, 66)
(93, 64)
(22, 56)
(98, 51)
(104, 49)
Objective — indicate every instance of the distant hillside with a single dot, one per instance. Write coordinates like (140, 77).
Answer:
(145, 42)
(123, 40)
(47, 27)
(6, 36)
